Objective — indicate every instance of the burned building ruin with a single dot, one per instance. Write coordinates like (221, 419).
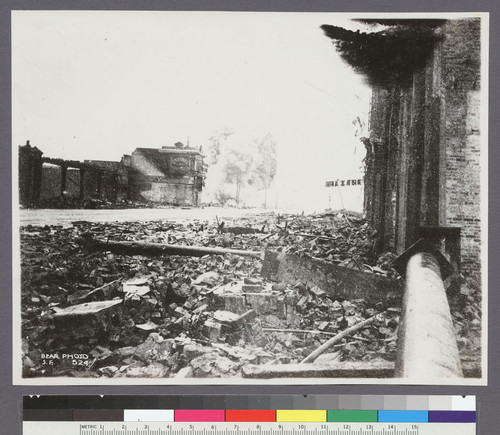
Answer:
(422, 167)
(170, 175)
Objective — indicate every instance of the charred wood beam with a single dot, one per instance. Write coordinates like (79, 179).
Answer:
(153, 249)
(241, 230)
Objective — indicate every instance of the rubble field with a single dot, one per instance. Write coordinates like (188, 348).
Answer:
(89, 312)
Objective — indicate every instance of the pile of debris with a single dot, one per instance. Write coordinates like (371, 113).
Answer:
(94, 312)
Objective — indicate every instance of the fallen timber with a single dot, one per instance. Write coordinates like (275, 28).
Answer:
(337, 338)
(153, 249)
(240, 230)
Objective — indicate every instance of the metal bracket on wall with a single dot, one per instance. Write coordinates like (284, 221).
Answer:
(419, 246)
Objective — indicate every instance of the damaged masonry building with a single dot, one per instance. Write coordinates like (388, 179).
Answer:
(422, 166)
(277, 296)
(172, 175)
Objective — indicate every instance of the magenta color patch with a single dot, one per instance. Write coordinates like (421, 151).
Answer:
(199, 415)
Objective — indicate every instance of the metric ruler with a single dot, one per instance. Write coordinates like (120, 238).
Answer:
(158, 428)
(249, 415)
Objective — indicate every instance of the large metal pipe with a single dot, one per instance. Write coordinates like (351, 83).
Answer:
(427, 344)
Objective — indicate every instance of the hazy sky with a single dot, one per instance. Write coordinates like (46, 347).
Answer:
(96, 85)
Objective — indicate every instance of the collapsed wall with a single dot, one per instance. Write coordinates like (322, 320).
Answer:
(423, 150)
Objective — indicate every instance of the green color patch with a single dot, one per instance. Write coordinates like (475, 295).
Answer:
(352, 416)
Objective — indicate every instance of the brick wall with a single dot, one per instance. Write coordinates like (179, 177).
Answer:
(423, 161)
(461, 139)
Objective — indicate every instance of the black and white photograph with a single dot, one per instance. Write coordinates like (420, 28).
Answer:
(249, 197)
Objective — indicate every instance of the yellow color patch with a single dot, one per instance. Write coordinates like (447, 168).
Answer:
(300, 415)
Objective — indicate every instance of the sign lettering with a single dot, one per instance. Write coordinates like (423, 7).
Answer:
(343, 183)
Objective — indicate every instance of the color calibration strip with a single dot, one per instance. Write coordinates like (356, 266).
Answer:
(317, 409)
(280, 415)
(253, 402)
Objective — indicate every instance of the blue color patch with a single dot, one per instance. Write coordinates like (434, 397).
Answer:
(403, 416)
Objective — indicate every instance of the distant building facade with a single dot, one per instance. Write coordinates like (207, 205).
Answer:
(170, 175)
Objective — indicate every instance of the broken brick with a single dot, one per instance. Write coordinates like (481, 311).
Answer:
(262, 303)
(155, 348)
(212, 330)
(154, 370)
(232, 302)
